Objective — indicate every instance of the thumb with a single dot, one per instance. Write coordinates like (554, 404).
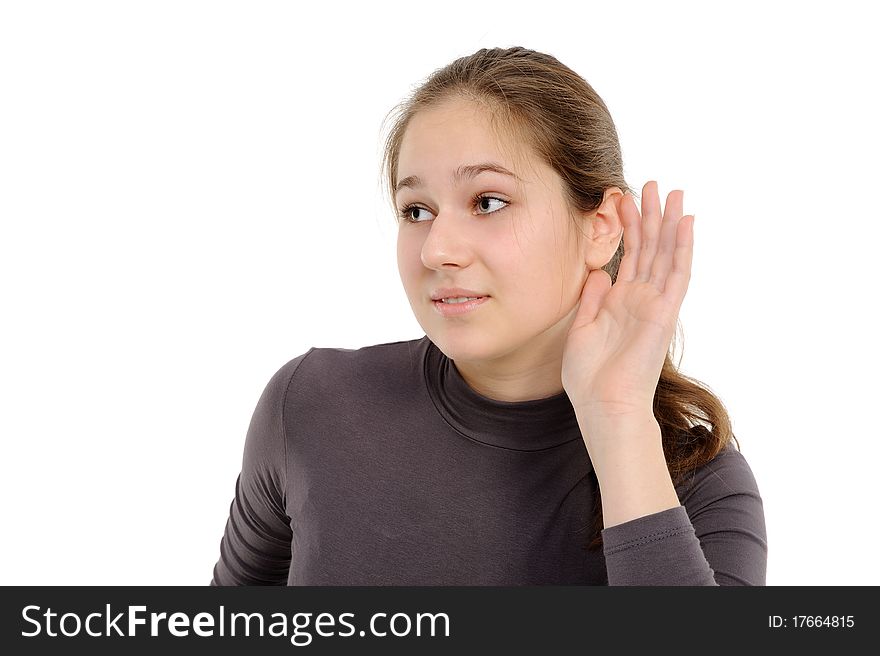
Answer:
(596, 287)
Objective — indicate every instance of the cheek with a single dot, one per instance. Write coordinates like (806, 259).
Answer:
(541, 280)
(538, 266)
(409, 260)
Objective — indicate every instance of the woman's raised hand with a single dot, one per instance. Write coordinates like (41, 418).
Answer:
(615, 349)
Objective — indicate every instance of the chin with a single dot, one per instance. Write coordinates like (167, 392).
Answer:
(466, 345)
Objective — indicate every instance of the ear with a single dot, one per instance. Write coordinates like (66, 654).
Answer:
(603, 230)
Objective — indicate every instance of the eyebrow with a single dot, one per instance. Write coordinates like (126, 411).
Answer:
(467, 171)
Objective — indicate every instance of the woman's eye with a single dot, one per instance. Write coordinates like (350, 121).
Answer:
(406, 213)
(482, 201)
(484, 205)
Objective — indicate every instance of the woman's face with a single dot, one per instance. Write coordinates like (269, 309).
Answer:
(514, 245)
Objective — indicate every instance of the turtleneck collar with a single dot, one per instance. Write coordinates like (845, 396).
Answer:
(520, 425)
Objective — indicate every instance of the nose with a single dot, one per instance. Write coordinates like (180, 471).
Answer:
(447, 244)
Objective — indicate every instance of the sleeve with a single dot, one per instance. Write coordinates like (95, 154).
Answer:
(256, 545)
(716, 537)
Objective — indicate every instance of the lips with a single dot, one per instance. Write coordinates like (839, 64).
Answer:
(458, 309)
(455, 292)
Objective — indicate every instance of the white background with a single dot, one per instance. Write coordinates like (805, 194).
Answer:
(189, 197)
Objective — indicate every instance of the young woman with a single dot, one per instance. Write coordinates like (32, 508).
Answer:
(539, 432)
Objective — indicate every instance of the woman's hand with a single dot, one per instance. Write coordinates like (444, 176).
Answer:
(615, 349)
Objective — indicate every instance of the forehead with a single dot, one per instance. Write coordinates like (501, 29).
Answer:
(455, 132)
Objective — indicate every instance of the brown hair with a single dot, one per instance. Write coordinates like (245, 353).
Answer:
(534, 99)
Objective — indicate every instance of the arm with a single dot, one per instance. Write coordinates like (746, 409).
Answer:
(613, 359)
(255, 548)
(718, 537)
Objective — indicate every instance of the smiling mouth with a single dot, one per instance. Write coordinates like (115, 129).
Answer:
(458, 307)
(454, 300)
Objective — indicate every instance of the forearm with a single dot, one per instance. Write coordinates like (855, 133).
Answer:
(627, 456)
(649, 538)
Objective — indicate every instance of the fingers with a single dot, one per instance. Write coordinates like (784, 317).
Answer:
(657, 249)
(683, 254)
(631, 219)
(662, 263)
(596, 287)
(650, 230)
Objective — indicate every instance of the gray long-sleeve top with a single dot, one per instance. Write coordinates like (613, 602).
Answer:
(382, 466)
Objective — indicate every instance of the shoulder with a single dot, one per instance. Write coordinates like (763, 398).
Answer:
(728, 474)
(323, 371)
(304, 385)
(725, 507)
(321, 366)
(373, 354)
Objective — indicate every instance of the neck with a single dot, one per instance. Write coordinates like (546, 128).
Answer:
(533, 371)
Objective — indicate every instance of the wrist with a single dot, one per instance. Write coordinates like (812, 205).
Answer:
(627, 455)
(631, 471)
(599, 427)
(615, 441)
